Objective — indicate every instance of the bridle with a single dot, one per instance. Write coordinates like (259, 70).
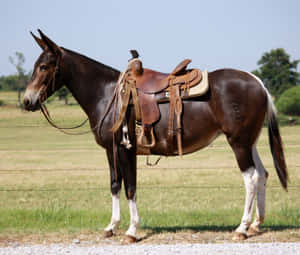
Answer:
(44, 110)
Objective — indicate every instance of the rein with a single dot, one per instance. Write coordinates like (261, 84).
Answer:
(47, 116)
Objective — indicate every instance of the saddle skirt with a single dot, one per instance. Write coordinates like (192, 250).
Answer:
(186, 93)
(198, 90)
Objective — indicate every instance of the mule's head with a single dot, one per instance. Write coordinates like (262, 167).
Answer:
(45, 79)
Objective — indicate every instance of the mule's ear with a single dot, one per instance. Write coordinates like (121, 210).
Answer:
(39, 41)
(50, 44)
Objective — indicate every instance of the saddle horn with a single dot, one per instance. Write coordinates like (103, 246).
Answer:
(134, 54)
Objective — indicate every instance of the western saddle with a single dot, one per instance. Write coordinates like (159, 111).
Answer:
(147, 88)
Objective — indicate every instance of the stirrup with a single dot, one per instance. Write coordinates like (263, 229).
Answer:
(142, 135)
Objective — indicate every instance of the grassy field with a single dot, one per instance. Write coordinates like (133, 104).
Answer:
(54, 183)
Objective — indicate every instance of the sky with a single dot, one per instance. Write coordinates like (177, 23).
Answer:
(213, 33)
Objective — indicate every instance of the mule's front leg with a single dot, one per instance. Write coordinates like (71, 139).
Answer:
(128, 168)
(116, 216)
(115, 185)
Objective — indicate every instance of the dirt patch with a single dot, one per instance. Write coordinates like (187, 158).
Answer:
(184, 237)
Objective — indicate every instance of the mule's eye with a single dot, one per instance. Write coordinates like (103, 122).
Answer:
(43, 67)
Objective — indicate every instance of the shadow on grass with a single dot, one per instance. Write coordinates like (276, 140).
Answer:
(173, 229)
(214, 228)
(279, 227)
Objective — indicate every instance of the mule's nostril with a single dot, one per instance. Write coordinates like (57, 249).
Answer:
(26, 101)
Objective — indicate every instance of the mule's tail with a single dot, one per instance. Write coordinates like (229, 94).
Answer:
(276, 144)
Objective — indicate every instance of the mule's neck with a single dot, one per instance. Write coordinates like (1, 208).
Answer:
(89, 81)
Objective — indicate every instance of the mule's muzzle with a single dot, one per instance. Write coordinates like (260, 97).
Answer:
(31, 99)
(31, 106)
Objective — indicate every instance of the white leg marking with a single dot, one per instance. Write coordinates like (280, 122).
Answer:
(261, 190)
(116, 216)
(250, 179)
(134, 217)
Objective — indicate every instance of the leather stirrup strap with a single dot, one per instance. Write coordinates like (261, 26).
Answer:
(175, 109)
(171, 117)
(178, 111)
(135, 99)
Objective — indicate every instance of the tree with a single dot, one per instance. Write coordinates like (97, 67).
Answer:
(22, 77)
(277, 71)
(9, 82)
(289, 101)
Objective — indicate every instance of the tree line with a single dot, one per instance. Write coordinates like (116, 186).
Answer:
(275, 68)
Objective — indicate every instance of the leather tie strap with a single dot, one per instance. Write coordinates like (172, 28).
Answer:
(175, 109)
(127, 91)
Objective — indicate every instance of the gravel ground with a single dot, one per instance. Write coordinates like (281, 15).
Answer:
(229, 248)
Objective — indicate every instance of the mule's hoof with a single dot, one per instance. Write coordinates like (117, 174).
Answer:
(128, 240)
(253, 231)
(108, 234)
(239, 236)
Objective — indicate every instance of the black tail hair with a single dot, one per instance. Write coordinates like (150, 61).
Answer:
(277, 149)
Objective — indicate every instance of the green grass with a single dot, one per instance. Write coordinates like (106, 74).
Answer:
(50, 220)
(51, 182)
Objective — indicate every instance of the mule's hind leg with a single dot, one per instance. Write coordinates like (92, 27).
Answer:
(251, 179)
(115, 187)
(261, 194)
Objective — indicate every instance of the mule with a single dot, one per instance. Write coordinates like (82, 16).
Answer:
(236, 105)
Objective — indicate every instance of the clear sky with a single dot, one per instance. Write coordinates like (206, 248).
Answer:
(213, 33)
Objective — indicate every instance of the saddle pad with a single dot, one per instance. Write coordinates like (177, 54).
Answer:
(199, 89)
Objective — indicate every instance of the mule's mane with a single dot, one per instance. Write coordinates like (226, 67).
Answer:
(104, 68)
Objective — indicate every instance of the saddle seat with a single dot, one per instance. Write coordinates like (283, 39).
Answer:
(151, 82)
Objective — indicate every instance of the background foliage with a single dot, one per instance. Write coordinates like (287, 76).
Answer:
(277, 71)
(289, 101)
